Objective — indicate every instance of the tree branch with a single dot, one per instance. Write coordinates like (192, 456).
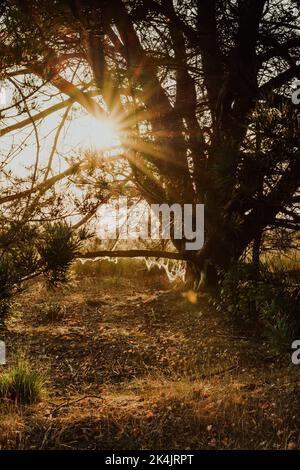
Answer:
(42, 114)
(279, 80)
(41, 187)
(134, 254)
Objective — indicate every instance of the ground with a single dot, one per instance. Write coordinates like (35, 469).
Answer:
(130, 364)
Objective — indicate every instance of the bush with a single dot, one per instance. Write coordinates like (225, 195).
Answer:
(12, 270)
(281, 315)
(52, 311)
(28, 250)
(269, 302)
(58, 247)
(21, 383)
(237, 298)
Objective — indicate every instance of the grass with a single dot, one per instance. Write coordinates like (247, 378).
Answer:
(138, 367)
(51, 311)
(21, 383)
(281, 262)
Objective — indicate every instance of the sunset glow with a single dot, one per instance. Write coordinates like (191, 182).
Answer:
(102, 135)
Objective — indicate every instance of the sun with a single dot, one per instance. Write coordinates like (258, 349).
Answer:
(101, 134)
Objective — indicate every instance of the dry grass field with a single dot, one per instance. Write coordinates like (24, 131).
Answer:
(131, 365)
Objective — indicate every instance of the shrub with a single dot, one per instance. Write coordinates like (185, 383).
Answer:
(12, 271)
(237, 294)
(281, 315)
(269, 302)
(28, 250)
(21, 383)
(58, 247)
(52, 311)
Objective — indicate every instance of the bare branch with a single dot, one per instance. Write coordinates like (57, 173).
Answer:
(134, 254)
(42, 186)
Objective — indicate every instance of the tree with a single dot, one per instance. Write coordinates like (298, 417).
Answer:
(192, 84)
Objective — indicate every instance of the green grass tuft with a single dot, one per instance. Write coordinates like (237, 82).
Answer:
(22, 383)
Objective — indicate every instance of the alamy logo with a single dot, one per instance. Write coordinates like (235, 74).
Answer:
(296, 94)
(296, 353)
(152, 221)
(2, 353)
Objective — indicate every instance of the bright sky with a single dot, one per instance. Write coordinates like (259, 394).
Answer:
(80, 132)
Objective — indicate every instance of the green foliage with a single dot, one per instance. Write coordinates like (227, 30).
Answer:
(52, 311)
(8, 277)
(269, 302)
(28, 250)
(58, 247)
(237, 294)
(281, 315)
(21, 383)
(18, 259)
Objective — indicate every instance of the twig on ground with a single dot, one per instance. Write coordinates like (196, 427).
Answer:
(68, 403)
